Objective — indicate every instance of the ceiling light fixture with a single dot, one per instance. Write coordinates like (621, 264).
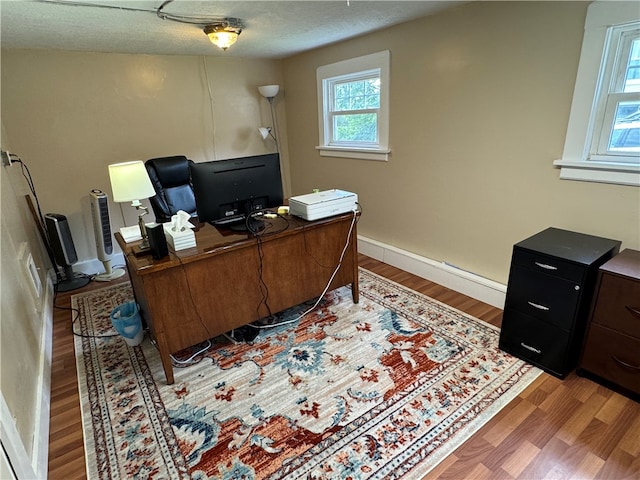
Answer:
(225, 33)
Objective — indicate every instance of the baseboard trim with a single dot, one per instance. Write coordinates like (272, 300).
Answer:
(467, 283)
(43, 413)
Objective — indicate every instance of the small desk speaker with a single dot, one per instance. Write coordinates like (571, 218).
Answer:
(157, 241)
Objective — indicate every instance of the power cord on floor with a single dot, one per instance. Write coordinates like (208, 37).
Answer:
(74, 318)
(326, 288)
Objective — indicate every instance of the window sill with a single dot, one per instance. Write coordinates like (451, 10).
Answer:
(599, 172)
(351, 152)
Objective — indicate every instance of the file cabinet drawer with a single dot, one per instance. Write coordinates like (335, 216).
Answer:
(614, 357)
(548, 298)
(618, 305)
(549, 265)
(544, 345)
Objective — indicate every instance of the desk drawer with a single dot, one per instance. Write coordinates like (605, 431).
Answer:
(542, 296)
(538, 342)
(618, 305)
(613, 356)
(549, 265)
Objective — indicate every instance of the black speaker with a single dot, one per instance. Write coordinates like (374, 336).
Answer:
(64, 251)
(157, 241)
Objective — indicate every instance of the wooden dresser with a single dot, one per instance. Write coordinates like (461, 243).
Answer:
(611, 353)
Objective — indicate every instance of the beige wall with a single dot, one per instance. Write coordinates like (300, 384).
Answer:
(23, 313)
(480, 99)
(69, 115)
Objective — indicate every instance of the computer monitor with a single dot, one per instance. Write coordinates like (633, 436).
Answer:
(227, 191)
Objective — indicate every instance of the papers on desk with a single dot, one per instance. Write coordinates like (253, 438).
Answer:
(131, 234)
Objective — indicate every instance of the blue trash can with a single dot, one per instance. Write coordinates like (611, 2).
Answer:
(127, 322)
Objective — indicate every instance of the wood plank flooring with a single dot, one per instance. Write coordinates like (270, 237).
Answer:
(555, 429)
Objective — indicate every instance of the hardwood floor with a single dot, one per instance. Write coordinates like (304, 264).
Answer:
(555, 429)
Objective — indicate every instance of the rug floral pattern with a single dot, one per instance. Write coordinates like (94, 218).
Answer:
(381, 389)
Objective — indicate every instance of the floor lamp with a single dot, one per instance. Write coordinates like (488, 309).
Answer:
(269, 92)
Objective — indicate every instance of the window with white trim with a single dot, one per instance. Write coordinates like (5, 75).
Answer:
(353, 107)
(603, 135)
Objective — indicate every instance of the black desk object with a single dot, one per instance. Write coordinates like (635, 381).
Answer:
(550, 289)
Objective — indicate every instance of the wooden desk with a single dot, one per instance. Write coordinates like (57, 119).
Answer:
(199, 293)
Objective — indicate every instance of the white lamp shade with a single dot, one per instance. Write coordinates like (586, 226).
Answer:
(269, 91)
(264, 131)
(130, 181)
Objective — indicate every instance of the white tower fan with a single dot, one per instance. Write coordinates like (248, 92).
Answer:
(104, 238)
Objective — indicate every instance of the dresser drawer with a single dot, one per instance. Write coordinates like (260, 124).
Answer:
(618, 305)
(550, 265)
(530, 339)
(543, 296)
(613, 356)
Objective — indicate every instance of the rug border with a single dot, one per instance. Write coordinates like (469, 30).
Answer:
(83, 392)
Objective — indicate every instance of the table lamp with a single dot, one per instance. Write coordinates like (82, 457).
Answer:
(130, 183)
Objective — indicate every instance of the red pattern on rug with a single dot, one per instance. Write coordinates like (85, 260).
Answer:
(382, 389)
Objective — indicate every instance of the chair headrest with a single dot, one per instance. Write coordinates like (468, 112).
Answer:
(171, 171)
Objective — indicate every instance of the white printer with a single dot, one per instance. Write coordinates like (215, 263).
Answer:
(314, 206)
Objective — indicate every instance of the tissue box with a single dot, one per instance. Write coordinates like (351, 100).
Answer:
(179, 240)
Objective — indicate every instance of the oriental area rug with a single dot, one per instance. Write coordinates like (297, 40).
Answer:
(385, 388)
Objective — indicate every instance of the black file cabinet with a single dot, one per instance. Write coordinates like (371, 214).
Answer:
(551, 284)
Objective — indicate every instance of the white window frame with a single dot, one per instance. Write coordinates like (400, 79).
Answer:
(326, 77)
(580, 160)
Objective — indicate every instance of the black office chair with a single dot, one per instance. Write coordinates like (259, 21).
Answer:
(170, 179)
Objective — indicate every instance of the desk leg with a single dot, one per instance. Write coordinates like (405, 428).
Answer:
(165, 356)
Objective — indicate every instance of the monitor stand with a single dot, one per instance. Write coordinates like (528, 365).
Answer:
(240, 226)
(253, 225)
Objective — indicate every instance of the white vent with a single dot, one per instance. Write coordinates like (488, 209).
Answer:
(102, 231)
(101, 224)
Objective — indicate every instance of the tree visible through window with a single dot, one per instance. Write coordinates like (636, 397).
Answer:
(355, 110)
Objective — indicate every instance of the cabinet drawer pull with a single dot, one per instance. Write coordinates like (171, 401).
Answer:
(634, 310)
(528, 347)
(625, 364)
(538, 306)
(546, 266)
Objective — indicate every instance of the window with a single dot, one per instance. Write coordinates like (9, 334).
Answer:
(603, 135)
(617, 125)
(353, 107)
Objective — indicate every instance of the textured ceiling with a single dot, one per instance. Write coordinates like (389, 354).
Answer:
(273, 29)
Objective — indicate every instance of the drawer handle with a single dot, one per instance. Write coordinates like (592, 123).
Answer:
(529, 347)
(635, 311)
(538, 306)
(545, 266)
(625, 364)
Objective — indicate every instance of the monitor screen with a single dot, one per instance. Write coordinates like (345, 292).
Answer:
(227, 190)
